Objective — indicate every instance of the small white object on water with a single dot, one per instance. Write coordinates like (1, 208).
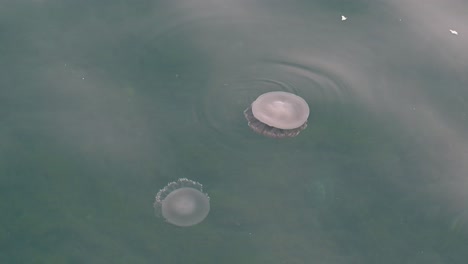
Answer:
(343, 18)
(454, 32)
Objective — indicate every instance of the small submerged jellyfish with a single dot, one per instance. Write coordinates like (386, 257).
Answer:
(278, 114)
(182, 203)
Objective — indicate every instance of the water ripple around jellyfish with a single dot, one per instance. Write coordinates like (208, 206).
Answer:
(221, 104)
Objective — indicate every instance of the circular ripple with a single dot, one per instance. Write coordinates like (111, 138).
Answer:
(220, 106)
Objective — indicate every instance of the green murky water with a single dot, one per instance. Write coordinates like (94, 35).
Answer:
(103, 103)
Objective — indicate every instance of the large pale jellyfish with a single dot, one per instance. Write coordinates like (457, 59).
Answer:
(182, 203)
(278, 114)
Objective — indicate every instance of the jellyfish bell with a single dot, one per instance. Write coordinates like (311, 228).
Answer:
(182, 203)
(278, 114)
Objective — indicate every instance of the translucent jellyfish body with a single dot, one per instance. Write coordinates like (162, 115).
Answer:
(278, 114)
(182, 203)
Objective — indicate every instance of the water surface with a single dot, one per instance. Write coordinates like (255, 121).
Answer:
(104, 103)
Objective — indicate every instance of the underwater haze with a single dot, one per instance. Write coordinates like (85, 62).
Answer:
(103, 103)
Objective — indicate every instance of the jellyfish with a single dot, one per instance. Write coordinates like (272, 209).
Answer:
(182, 203)
(278, 114)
